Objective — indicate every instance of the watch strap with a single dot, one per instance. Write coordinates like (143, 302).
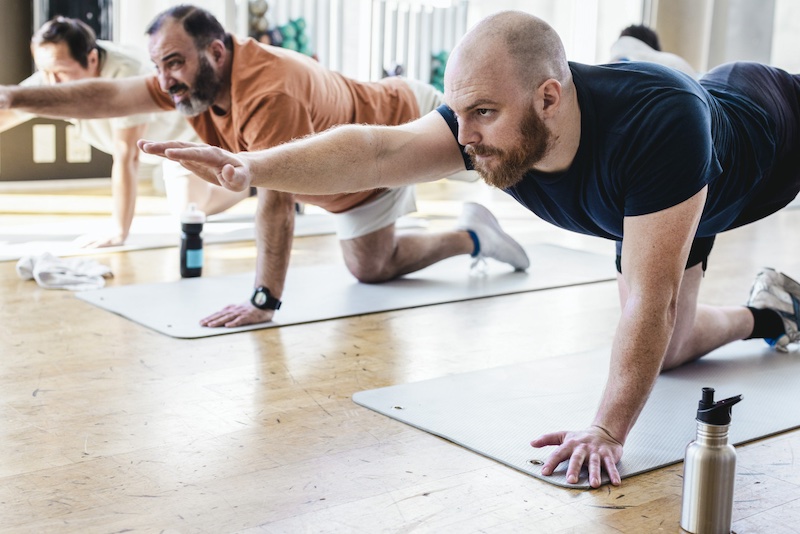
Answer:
(263, 300)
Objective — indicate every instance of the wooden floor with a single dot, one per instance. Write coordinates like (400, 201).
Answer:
(107, 426)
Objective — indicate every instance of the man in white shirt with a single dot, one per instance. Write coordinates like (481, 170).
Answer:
(640, 43)
(65, 50)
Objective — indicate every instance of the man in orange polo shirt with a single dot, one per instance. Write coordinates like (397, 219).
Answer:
(243, 96)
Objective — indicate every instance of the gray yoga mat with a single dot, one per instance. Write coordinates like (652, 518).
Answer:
(328, 292)
(147, 232)
(497, 412)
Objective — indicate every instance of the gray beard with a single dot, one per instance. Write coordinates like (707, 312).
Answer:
(202, 96)
(193, 106)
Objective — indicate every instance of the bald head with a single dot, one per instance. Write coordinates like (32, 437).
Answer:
(532, 47)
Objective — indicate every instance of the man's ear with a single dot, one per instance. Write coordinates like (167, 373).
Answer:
(217, 50)
(93, 61)
(549, 92)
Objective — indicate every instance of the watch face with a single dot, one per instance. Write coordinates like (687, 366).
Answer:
(260, 298)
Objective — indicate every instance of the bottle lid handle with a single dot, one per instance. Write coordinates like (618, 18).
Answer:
(715, 413)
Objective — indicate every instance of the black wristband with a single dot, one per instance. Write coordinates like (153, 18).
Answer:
(263, 300)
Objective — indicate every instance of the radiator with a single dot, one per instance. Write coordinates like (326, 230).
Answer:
(362, 38)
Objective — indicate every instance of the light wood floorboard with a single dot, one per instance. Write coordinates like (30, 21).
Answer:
(107, 426)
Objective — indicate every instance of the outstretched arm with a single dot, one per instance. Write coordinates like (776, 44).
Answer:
(340, 160)
(655, 250)
(84, 99)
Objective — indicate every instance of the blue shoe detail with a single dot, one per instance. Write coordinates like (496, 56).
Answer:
(775, 291)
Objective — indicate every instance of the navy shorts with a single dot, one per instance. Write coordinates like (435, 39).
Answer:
(777, 93)
(701, 248)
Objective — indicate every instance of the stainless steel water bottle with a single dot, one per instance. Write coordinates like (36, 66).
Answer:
(709, 469)
(192, 242)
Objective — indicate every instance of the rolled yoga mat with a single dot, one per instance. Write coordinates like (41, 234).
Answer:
(497, 412)
(327, 292)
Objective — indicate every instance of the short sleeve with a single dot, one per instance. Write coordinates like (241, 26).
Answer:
(671, 158)
(450, 118)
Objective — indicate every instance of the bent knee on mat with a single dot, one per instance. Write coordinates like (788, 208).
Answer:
(373, 270)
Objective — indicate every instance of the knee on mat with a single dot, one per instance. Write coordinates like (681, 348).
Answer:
(370, 272)
(677, 356)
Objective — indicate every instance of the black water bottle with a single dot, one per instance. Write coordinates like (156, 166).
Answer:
(192, 242)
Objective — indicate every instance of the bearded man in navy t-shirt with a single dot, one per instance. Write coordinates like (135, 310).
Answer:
(632, 152)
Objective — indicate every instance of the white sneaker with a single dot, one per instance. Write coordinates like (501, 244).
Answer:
(493, 242)
(776, 291)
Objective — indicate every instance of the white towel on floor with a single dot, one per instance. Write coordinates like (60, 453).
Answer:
(51, 272)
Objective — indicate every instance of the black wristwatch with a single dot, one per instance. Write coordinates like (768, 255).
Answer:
(262, 300)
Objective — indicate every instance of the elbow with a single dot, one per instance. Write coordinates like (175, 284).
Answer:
(130, 157)
(126, 154)
(658, 310)
(671, 311)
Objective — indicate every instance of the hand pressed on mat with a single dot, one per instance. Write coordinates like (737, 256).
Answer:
(238, 315)
(593, 446)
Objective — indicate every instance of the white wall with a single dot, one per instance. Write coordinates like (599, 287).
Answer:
(612, 17)
(684, 28)
(588, 28)
(786, 36)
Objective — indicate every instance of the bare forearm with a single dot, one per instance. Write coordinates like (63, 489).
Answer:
(86, 99)
(343, 159)
(340, 160)
(123, 192)
(654, 253)
(347, 159)
(274, 235)
(639, 346)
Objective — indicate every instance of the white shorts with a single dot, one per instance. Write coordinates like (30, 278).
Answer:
(378, 213)
(428, 97)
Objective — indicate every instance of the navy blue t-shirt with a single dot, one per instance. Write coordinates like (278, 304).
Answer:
(652, 137)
